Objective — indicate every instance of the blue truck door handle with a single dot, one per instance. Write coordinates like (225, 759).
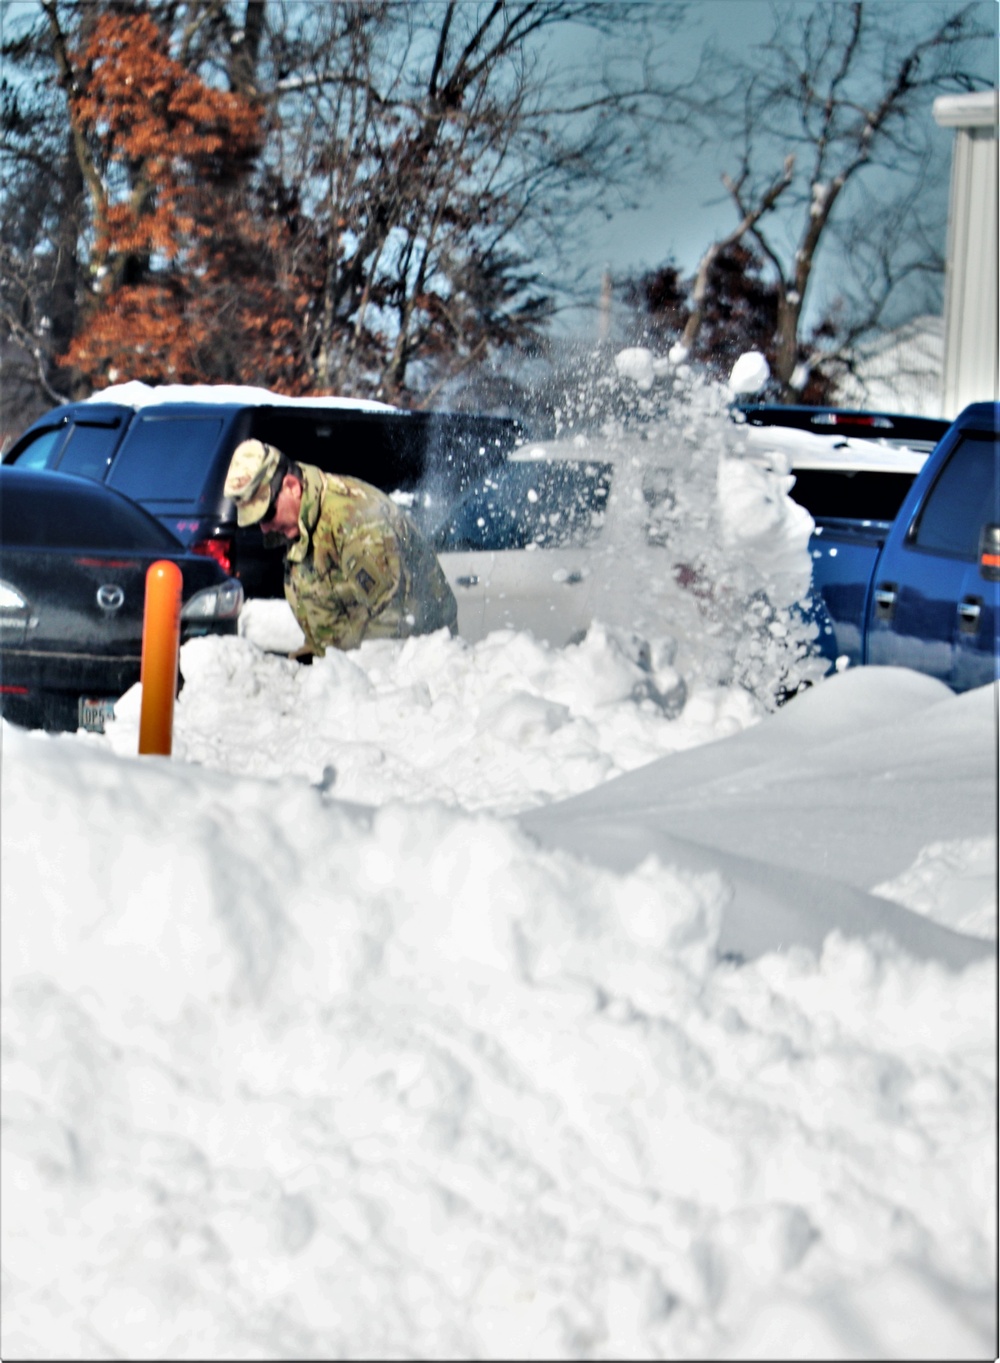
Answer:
(471, 580)
(969, 609)
(885, 600)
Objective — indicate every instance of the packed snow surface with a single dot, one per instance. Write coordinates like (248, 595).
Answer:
(494, 1000)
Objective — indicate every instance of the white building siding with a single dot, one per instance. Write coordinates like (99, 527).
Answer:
(972, 293)
(901, 371)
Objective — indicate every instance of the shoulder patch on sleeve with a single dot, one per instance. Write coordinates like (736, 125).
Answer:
(364, 580)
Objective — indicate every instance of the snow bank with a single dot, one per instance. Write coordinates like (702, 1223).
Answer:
(810, 815)
(289, 1077)
(444, 1001)
(503, 724)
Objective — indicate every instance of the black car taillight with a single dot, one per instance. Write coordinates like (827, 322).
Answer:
(219, 549)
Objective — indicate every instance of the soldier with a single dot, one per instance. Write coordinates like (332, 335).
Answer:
(356, 567)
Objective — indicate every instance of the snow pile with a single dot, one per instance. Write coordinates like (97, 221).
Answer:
(843, 790)
(503, 724)
(954, 882)
(287, 1076)
(765, 529)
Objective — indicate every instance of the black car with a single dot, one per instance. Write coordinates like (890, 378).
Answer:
(172, 457)
(73, 563)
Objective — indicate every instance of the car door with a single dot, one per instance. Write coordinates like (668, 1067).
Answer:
(518, 548)
(977, 646)
(543, 590)
(931, 608)
(469, 572)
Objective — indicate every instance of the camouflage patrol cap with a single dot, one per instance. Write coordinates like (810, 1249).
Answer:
(249, 481)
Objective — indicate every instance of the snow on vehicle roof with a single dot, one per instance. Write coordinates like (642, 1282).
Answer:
(781, 448)
(135, 394)
(807, 450)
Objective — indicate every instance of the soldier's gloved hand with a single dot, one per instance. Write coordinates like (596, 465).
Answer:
(303, 655)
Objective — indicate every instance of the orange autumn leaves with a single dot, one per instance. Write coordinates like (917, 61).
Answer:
(187, 282)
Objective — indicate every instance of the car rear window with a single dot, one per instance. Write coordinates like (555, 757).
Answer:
(36, 512)
(851, 494)
(166, 458)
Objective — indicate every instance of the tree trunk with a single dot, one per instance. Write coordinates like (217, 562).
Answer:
(786, 348)
(66, 284)
(245, 52)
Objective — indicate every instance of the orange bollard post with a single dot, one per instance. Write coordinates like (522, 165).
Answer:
(161, 634)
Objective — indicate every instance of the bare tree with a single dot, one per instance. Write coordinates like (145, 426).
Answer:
(43, 215)
(840, 92)
(439, 156)
(419, 161)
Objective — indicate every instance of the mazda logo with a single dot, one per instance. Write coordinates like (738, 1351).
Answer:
(110, 597)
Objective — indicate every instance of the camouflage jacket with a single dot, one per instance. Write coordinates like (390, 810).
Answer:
(360, 569)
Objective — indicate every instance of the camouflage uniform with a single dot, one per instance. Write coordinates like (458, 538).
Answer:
(360, 569)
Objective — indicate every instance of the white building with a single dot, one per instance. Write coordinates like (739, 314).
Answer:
(971, 285)
(899, 371)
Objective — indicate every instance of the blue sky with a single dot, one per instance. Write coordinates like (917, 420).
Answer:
(688, 208)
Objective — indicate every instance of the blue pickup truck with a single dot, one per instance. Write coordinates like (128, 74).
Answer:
(906, 548)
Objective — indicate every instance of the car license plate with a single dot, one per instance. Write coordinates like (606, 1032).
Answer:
(95, 714)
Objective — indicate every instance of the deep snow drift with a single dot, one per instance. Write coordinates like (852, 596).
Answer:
(450, 1001)
(287, 1075)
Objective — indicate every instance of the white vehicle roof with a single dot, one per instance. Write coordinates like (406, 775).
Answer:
(136, 394)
